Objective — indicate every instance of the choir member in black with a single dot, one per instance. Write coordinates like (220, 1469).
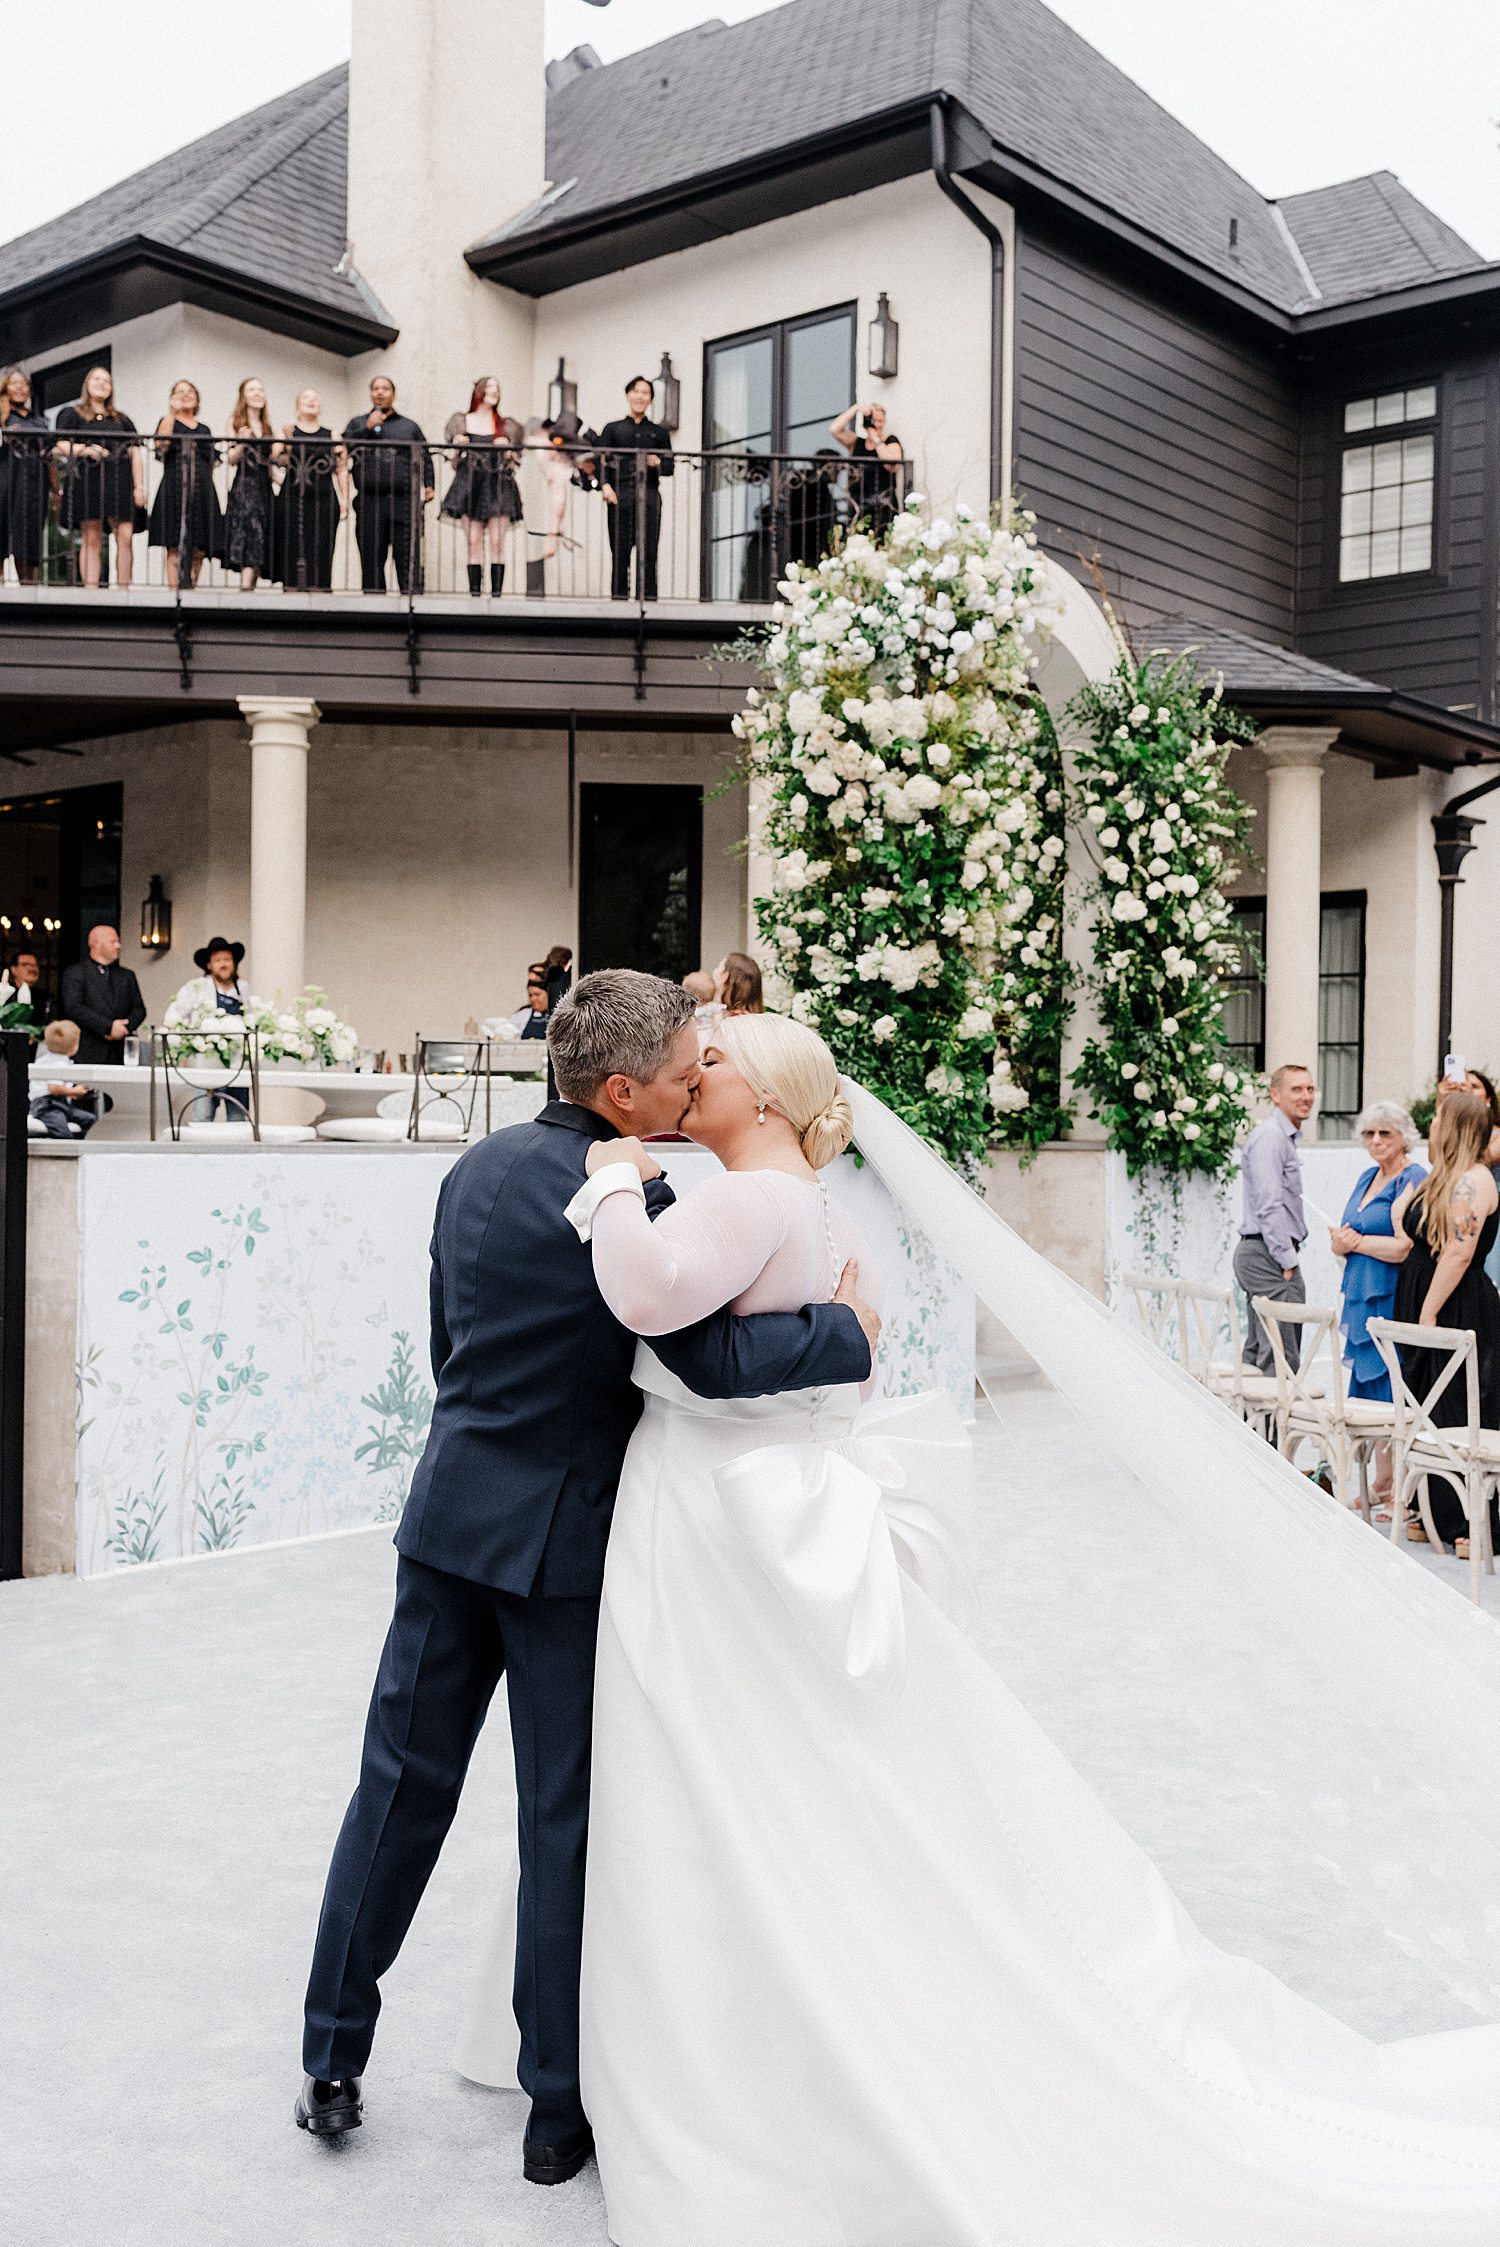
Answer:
(873, 453)
(186, 517)
(388, 453)
(484, 495)
(312, 500)
(247, 517)
(24, 441)
(101, 477)
(632, 490)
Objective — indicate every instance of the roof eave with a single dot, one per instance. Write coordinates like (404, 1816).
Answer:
(1475, 291)
(347, 332)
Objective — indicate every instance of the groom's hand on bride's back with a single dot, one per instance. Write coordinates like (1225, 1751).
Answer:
(848, 1294)
(622, 1151)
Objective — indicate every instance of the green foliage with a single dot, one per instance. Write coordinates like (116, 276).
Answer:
(403, 1408)
(911, 803)
(1166, 831)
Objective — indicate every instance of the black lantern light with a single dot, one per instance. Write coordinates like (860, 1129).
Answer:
(156, 918)
(668, 395)
(562, 395)
(885, 341)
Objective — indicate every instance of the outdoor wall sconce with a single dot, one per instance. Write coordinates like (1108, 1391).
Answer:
(885, 341)
(156, 918)
(562, 395)
(668, 395)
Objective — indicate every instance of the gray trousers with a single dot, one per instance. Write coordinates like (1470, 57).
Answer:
(1258, 1273)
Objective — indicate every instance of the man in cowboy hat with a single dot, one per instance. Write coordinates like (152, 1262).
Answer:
(218, 983)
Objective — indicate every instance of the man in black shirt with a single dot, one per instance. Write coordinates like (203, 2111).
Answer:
(384, 457)
(103, 998)
(632, 490)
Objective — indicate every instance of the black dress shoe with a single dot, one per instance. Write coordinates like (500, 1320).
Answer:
(554, 2165)
(329, 2109)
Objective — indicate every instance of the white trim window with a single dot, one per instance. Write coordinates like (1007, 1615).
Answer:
(1387, 483)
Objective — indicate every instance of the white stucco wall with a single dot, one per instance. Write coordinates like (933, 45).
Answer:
(437, 863)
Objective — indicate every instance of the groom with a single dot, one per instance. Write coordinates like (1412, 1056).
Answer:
(503, 1540)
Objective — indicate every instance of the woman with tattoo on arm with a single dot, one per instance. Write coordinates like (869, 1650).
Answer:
(1451, 1220)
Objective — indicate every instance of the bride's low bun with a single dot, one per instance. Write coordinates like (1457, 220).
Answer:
(788, 1066)
(829, 1133)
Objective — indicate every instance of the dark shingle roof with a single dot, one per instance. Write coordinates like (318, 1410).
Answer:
(264, 198)
(1250, 667)
(1367, 236)
(714, 95)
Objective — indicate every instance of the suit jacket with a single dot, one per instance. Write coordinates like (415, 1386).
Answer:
(94, 997)
(535, 1403)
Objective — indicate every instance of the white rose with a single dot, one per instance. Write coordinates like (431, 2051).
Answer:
(1129, 1069)
(823, 780)
(1109, 836)
(922, 792)
(973, 875)
(939, 755)
(1143, 1090)
(883, 1028)
(944, 1080)
(1169, 1026)
(1192, 1131)
(1139, 714)
(976, 1022)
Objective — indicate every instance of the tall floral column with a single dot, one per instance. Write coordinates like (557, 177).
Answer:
(909, 801)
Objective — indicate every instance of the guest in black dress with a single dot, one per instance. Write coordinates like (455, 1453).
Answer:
(484, 495)
(186, 517)
(312, 500)
(1451, 1221)
(24, 443)
(247, 518)
(873, 454)
(101, 477)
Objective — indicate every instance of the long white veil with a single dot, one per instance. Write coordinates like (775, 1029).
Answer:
(1313, 1745)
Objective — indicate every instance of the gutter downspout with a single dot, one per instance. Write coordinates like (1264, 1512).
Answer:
(999, 469)
(1453, 839)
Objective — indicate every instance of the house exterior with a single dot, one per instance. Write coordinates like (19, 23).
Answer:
(1269, 430)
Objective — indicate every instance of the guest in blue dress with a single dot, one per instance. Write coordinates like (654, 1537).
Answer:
(1369, 1244)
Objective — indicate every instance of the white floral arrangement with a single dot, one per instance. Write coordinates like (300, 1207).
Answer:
(1166, 834)
(908, 791)
(308, 1030)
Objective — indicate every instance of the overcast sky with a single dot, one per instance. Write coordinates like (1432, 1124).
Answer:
(1295, 93)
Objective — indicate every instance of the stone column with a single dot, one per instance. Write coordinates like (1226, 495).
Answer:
(1294, 758)
(278, 842)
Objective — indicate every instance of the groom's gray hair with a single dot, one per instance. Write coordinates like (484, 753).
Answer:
(617, 1023)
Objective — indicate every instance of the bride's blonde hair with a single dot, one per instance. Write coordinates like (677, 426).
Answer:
(789, 1067)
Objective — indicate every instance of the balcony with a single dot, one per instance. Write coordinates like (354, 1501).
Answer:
(361, 573)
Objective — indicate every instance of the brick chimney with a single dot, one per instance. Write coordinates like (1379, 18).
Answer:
(447, 139)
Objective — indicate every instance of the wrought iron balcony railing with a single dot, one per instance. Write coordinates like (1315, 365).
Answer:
(317, 514)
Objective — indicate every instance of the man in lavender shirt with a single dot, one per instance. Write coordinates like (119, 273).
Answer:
(1273, 1226)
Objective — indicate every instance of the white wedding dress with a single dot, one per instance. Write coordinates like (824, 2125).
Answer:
(866, 1963)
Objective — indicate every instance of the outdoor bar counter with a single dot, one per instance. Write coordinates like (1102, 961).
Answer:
(227, 1342)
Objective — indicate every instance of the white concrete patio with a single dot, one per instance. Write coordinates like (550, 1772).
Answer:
(178, 1744)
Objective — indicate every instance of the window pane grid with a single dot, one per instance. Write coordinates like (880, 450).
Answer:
(1386, 496)
(1341, 1006)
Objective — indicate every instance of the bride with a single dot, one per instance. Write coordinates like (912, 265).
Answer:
(866, 1964)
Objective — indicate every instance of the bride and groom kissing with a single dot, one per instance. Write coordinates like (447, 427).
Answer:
(503, 1542)
(819, 1938)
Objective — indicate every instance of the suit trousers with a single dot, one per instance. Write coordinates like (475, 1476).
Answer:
(450, 1642)
(631, 536)
(383, 524)
(1259, 1274)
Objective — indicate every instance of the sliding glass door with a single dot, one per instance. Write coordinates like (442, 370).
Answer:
(767, 394)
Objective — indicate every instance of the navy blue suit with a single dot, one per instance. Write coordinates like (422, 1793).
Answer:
(502, 1562)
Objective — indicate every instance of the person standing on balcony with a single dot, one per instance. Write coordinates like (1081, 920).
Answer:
(24, 441)
(186, 518)
(387, 451)
(103, 478)
(1273, 1225)
(247, 518)
(484, 495)
(632, 488)
(103, 998)
(312, 500)
(873, 451)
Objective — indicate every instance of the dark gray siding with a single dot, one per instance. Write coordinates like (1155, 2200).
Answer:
(1433, 636)
(1163, 444)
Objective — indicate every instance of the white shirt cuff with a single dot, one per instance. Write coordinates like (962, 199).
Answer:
(609, 1178)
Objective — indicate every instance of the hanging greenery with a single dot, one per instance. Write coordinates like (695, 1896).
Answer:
(910, 797)
(1166, 832)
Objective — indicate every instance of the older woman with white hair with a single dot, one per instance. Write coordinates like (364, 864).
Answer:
(1370, 1244)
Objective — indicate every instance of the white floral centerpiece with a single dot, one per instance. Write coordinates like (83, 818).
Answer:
(1167, 832)
(911, 803)
(308, 1030)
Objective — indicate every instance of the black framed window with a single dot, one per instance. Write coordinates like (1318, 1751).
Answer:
(767, 393)
(1341, 1004)
(1387, 483)
(52, 388)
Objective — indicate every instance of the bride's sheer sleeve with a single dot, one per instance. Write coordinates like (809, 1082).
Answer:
(696, 1257)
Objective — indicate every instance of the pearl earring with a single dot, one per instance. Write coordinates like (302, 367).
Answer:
(760, 1115)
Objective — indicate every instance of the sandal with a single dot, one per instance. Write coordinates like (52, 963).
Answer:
(1460, 1548)
(1415, 1533)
